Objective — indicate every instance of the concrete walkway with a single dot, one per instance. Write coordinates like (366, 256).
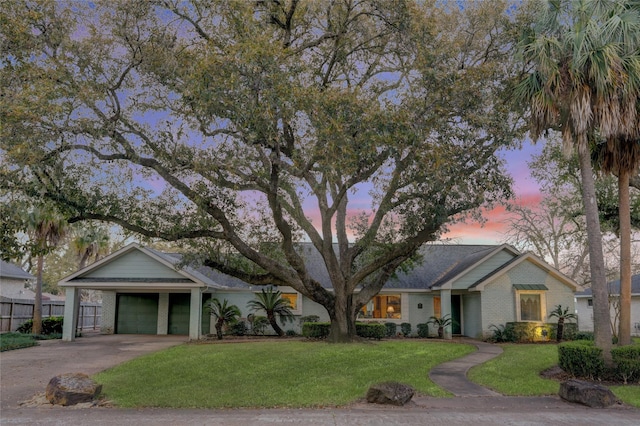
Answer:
(452, 375)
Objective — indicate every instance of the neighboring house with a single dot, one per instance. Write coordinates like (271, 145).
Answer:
(13, 281)
(146, 291)
(584, 305)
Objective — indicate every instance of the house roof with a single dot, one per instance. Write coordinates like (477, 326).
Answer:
(438, 265)
(189, 275)
(10, 270)
(614, 287)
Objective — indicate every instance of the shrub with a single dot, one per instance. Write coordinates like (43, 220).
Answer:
(290, 333)
(583, 335)
(391, 328)
(258, 324)
(316, 330)
(581, 359)
(309, 318)
(371, 330)
(405, 329)
(531, 331)
(423, 330)
(51, 325)
(238, 328)
(502, 334)
(627, 362)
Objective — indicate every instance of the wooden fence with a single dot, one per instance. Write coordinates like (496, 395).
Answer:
(14, 312)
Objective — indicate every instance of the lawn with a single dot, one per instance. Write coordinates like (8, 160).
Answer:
(10, 341)
(273, 374)
(517, 372)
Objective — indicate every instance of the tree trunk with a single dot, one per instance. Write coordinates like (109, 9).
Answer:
(343, 321)
(624, 212)
(601, 318)
(274, 323)
(219, 325)
(560, 330)
(37, 306)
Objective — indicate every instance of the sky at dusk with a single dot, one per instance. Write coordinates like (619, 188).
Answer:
(525, 190)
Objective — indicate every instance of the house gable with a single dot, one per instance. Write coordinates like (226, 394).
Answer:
(136, 268)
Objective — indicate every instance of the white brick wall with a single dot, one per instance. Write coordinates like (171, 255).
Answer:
(108, 312)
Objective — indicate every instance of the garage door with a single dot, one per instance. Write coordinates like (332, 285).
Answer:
(137, 314)
(179, 313)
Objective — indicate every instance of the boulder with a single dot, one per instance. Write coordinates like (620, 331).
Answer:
(391, 393)
(587, 393)
(71, 389)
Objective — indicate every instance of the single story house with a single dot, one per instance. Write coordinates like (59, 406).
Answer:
(13, 281)
(584, 305)
(146, 291)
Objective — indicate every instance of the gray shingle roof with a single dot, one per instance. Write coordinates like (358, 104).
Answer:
(438, 264)
(614, 287)
(9, 270)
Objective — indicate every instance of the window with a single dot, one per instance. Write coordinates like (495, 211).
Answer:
(590, 303)
(383, 306)
(293, 300)
(530, 307)
(437, 307)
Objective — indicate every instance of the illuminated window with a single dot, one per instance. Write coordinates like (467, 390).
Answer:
(437, 310)
(293, 300)
(531, 306)
(383, 306)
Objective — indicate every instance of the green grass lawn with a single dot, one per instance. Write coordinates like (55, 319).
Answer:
(10, 341)
(517, 372)
(273, 374)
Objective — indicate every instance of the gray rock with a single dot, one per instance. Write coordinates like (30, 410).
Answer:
(390, 393)
(71, 389)
(587, 393)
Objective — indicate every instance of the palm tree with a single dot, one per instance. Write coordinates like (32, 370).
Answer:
(622, 158)
(89, 243)
(441, 323)
(562, 315)
(46, 229)
(274, 305)
(578, 85)
(223, 313)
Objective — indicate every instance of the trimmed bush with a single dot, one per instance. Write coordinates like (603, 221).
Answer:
(627, 362)
(320, 330)
(309, 318)
(423, 330)
(531, 331)
(51, 325)
(391, 328)
(238, 328)
(583, 335)
(581, 359)
(371, 330)
(290, 333)
(316, 330)
(405, 329)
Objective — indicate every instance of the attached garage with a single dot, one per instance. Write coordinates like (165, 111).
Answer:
(138, 314)
(143, 292)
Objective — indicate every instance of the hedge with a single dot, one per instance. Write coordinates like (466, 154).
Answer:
(51, 325)
(627, 362)
(581, 359)
(320, 330)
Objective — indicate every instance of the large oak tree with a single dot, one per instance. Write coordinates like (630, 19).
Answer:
(242, 128)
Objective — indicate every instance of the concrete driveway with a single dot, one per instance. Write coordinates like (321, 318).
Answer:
(26, 372)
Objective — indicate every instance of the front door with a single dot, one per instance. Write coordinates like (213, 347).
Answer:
(456, 326)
